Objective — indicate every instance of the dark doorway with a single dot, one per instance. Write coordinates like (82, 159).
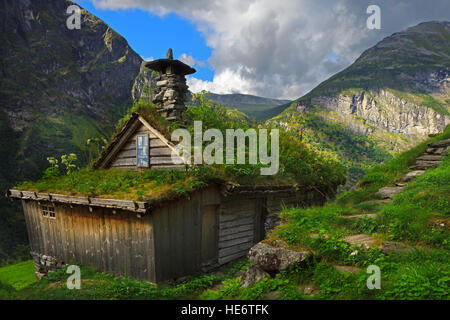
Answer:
(260, 219)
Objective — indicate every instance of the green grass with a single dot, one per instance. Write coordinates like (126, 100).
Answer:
(417, 217)
(96, 285)
(299, 165)
(19, 275)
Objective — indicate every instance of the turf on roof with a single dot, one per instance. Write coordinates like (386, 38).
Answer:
(300, 165)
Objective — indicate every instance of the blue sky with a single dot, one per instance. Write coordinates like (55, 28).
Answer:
(151, 36)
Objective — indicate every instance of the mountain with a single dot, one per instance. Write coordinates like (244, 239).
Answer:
(258, 108)
(255, 107)
(58, 88)
(392, 97)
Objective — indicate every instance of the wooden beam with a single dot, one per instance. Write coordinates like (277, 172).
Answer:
(128, 205)
(123, 139)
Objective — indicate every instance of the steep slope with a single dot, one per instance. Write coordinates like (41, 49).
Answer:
(58, 87)
(392, 97)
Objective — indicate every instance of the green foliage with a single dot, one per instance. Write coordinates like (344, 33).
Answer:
(19, 275)
(95, 146)
(356, 152)
(149, 111)
(386, 174)
(414, 214)
(68, 162)
(300, 164)
(214, 115)
(97, 285)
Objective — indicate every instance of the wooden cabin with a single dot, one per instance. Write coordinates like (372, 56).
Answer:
(169, 240)
(165, 240)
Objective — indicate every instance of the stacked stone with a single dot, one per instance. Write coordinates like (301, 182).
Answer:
(170, 96)
(44, 264)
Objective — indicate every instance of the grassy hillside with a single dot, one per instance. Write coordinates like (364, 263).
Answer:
(387, 101)
(416, 218)
(299, 165)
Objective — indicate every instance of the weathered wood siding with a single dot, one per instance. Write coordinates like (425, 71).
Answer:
(177, 230)
(242, 218)
(236, 227)
(172, 241)
(118, 243)
(159, 153)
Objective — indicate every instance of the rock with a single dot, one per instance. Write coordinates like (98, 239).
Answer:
(387, 247)
(307, 289)
(273, 295)
(440, 144)
(411, 175)
(162, 83)
(389, 192)
(360, 240)
(425, 165)
(217, 287)
(271, 259)
(252, 275)
(40, 275)
(430, 157)
(348, 269)
(441, 150)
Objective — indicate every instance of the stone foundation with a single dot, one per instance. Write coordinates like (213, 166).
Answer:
(44, 264)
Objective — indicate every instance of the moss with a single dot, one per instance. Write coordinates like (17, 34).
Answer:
(300, 164)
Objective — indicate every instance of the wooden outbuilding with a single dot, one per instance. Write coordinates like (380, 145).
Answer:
(158, 241)
(164, 241)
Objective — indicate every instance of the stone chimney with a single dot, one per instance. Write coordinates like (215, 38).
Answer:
(170, 94)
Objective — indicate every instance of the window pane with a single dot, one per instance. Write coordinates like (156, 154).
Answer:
(142, 151)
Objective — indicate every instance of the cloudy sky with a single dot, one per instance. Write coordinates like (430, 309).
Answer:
(271, 48)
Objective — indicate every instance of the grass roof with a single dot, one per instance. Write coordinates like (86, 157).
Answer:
(301, 165)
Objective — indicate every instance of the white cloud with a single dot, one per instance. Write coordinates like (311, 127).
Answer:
(189, 60)
(282, 49)
(148, 59)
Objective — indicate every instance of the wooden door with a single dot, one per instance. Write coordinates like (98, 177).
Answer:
(209, 235)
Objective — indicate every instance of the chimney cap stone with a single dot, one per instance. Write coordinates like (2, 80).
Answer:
(176, 66)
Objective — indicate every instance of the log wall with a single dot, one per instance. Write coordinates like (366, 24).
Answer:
(118, 243)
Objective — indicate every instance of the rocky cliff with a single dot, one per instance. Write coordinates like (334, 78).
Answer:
(394, 95)
(60, 87)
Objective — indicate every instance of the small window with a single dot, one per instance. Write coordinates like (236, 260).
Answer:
(45, 211)
(48, 212)
(142, 151)
(51, 212)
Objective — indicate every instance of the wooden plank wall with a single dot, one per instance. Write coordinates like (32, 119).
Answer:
(178, 235)
(118, 243)
(236, 227)
(238, 220)
(160, 153)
